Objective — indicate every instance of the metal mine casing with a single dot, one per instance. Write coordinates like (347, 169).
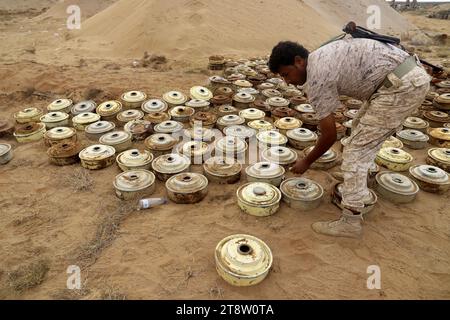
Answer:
(154, 105)
(440, 137)
(266, 172)
(302, 193)
(134, 184)
(416, 123)
(283, 156)
(181, 113)
(97, 156)
(55, 119)
(160, 143)
(394, 159)
(187, 187)
(61, 105)
(6, 153)
(199, 105)
(205, 119)
(222, 170)
(95, 130)
(224, 91)
(392, 142)
(134, 159)
(413, 139)
(396, 187)
(174, 98)
(83, 106)
(254, 92)
(200, 93)
(169, 126)
(242, 100)
(28, 115)
(327, 161)
(304, 108)
(442, 102)
(199, 134)
(348, 125)
(82, 120)
(337, 199)
(60, 134)
(168, 165)
(287, 123)
(229, 120)
(278, 102)
(251, 114)
(197, 151)
(311, 122)
(157, 117)
(64, 153)
(351, 114)
(139, 129)
(129, 115)
(225, 110)
(271, 138)
(229, 146)
(258, 199)
(109, 110)
(240, 131)
(301, 138)
(30, 132)
(439, 157)
(133, 99)
(436, 119)
(243, 260)
(120, 140)
(430, 179)
(260, 125)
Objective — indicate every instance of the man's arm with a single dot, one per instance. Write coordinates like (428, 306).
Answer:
(326, 140)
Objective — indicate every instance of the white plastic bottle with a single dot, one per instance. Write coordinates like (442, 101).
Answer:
(151, 202)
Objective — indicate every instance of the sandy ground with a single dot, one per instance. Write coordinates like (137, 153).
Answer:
(167, 252)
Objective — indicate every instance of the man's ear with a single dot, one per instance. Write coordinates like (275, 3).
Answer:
(299, 61)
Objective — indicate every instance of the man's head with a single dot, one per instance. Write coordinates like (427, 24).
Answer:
(289, 60)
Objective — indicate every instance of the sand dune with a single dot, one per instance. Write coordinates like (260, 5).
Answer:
(342, 11)
(196, 28)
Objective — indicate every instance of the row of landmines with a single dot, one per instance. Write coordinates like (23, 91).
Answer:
(272, 114)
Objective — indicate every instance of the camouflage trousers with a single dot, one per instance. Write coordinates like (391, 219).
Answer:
(376, 121)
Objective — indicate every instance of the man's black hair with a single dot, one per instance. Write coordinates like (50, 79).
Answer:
(284, 53)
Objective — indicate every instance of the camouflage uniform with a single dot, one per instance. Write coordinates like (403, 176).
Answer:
(377, 120)
(356, 68)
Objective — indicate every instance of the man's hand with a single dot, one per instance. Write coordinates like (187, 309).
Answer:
(300, 167)
(326, 140)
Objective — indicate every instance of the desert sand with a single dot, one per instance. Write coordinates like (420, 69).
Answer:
(167, 252)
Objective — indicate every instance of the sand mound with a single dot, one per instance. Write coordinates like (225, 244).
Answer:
(193, 28)
(342, 11)
(17, 5)
(196, 28)
(88, 8)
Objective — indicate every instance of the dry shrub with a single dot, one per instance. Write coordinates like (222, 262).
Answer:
(157, 62)
(112, 293)
(80, 180)
(28, 276)
(106, 233)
